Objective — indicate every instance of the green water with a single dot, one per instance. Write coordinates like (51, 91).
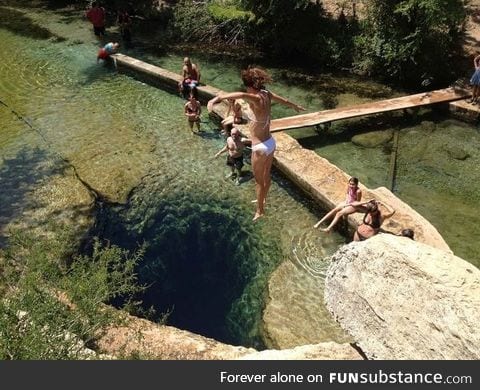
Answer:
(128, 138)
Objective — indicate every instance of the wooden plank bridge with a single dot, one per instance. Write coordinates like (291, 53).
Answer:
(401, 103)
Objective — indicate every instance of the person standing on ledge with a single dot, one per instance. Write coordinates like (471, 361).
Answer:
(234, 146)
(263, 144)
(475, 81)
(96, 15)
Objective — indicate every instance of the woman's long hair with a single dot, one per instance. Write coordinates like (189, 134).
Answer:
(254, 77)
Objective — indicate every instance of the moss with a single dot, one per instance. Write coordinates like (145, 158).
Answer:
(222, 13)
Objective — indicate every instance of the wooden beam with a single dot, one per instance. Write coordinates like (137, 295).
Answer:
(320, 117)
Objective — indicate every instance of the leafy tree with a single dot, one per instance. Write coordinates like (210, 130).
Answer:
(298, 30)
(410, 42)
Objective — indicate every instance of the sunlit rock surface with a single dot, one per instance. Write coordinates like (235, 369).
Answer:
(322, 351)
(400, 299)
(144, 339)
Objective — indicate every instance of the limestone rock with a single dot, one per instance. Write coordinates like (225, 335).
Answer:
(143, 339)
(147, 340)
(400, 299)
(322, 351)
(373, 139)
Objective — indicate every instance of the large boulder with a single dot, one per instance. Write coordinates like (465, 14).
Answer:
(401, 299)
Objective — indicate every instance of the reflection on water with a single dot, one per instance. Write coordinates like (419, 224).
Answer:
(205, 261)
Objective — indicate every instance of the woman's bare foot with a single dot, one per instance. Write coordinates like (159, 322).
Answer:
(326, 230)
(317, 224)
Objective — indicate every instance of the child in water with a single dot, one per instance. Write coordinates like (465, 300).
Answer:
(192, 110)
(351, 205)
(233, 116)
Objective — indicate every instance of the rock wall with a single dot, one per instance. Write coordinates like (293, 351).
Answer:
(400, 299)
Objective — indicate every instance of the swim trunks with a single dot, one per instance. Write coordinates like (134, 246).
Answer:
(236, 162)
(103, 54)
(267, 147)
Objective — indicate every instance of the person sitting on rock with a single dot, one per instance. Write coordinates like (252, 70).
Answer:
(351, 205)
(372, 220)
(409, 233)
(233, 116)
(190, 77)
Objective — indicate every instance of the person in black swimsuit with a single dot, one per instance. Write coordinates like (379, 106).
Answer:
(372, 220)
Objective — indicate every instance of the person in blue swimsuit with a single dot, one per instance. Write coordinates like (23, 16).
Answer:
(106, 51)
(475, 81)
(263, 145)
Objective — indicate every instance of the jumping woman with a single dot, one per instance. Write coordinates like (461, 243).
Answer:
(263, 145)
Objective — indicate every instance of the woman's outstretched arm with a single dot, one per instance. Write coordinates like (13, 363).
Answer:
(286, 102)
(233, 95)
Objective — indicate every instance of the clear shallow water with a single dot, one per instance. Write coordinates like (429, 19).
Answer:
(205, 261)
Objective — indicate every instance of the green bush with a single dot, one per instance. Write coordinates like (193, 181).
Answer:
(50, 310)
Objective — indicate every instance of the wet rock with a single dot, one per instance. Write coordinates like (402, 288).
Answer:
(428, 126)
(373, 139)
(400, 299)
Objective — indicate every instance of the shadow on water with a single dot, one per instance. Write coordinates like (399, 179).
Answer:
(343, 131)
(18, 178)
(203, 263)
(17, 23)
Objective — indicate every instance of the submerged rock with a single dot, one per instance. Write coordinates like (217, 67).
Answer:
(295, 313)
(373, 139)
(401, 299)
(456, 152)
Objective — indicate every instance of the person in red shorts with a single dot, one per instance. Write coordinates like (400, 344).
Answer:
(96, 15)
(109, 49)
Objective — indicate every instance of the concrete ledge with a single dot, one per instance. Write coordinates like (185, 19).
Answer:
(320, 179)
(465, 111)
